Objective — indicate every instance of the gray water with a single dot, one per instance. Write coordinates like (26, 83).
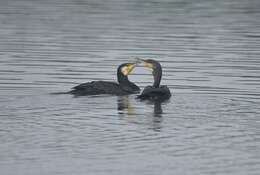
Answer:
(210, 53)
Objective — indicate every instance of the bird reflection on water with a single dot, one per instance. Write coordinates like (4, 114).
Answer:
(128, 111)
(124, 105)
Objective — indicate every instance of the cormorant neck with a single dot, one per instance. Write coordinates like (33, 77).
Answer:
(157, 75)
(125, 83)
(121, 78)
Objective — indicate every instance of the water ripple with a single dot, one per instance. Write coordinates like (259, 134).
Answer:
(210, 57)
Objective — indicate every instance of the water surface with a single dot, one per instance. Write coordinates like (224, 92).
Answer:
(210, 53)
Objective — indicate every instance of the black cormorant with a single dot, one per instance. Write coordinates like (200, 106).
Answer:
(154, 92)
(123, 87)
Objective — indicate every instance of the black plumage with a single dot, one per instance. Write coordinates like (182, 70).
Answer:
(123, 87)
(156, 91)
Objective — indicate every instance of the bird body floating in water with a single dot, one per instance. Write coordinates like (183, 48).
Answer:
(123, 87)
(156, 91)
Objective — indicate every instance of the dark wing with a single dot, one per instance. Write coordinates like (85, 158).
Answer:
(130, 89)
(151, 93)
(97, 87)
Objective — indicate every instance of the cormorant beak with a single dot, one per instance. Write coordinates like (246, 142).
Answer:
(144, 63)
(128, 68)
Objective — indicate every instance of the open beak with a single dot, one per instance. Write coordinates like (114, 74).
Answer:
(143, 62)
(140, 61)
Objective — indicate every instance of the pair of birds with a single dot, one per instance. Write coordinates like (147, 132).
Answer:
(124, 86)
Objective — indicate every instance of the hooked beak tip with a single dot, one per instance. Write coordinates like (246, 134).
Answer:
(139, 61)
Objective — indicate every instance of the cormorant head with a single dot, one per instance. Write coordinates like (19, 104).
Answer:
(126, 68)
(122, 72)
(156, 68)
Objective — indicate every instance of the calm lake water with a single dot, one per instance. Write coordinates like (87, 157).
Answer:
(210, 53)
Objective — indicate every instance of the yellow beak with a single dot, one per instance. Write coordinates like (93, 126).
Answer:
(131, 68)
(128, 69)
(144, 63)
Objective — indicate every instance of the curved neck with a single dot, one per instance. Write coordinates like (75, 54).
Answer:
(157, 76)
(125, 84)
